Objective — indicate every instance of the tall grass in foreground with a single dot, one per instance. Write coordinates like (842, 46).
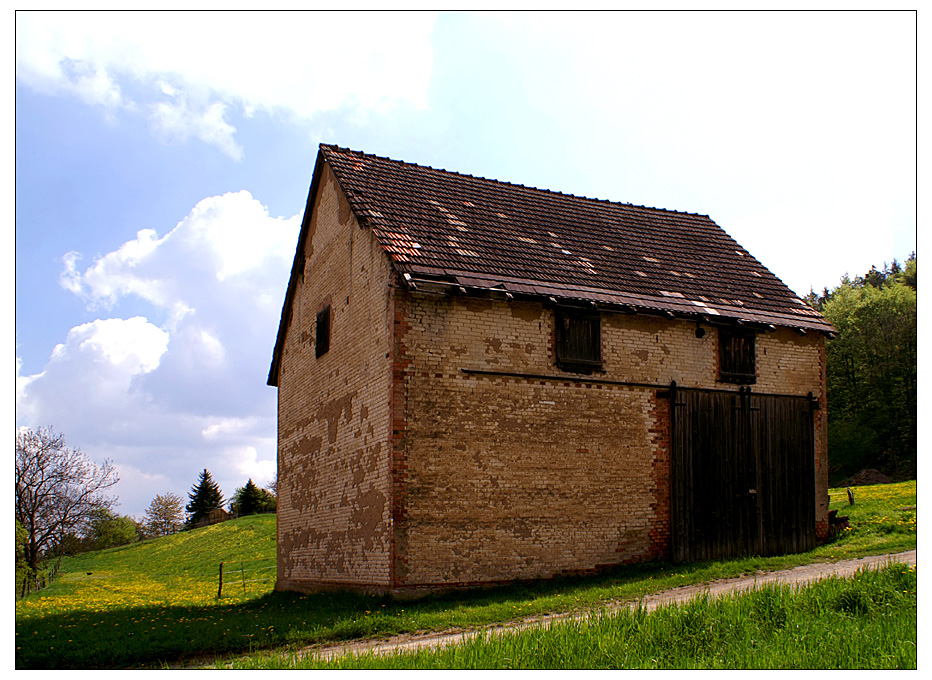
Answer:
(866, 621)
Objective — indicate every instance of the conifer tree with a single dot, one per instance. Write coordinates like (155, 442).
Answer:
(251, 500)
(205, 496)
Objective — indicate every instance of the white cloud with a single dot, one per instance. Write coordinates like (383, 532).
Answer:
(92, 377)
(115, 274)
(70, 278)
(188, 69)
(225, 428)
(222, 237)
(177, 120)
(239, 233)
(22, 383)
(184, 389)
(247, 463)
(134, 345)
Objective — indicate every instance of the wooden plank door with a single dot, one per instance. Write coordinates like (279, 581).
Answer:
(785, 443)
(742, 479)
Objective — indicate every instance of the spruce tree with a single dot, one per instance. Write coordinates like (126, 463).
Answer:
(251, 500)
(205, 496)
(247, 499)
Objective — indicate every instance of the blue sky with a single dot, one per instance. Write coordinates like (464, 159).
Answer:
(163, 162)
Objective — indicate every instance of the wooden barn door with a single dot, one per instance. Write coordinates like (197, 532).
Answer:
(742, 477)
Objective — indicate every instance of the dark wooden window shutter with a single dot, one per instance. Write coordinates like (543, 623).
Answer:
(736, 357)
(578, 341)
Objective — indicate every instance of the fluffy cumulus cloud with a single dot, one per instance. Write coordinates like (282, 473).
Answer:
(97, 366)
(180, 387)
(160, 65)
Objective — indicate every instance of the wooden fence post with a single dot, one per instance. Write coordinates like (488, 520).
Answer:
(220, 589)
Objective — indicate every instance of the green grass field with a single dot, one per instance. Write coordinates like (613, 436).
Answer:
(866, 621)
(155, 603)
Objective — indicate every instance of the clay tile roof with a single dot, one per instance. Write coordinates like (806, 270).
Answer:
(484, 233)
(435, 222)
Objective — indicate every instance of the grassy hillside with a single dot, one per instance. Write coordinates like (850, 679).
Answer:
(182, 569)
(148, 601)
(156, 602)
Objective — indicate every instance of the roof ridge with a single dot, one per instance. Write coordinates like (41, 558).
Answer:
(341, 149)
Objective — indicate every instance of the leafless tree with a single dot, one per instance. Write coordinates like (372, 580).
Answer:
(57, 490)
(164, 516)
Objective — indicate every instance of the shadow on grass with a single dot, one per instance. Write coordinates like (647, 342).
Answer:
(160, 636)
(156, 636)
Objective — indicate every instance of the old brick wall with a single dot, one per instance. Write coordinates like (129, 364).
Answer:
(788, 363)
(334, 436)
(521, 477)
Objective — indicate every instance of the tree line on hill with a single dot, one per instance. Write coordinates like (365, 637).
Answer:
(63, 506)
(205, 497)
(871, 371)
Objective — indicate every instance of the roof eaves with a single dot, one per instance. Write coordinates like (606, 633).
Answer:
(676, 305)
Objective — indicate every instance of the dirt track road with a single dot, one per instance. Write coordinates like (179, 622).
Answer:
(795, 576)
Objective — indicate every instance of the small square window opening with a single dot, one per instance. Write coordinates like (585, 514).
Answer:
(578, 341)
(736, 357)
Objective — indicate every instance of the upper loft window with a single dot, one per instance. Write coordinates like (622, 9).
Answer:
(579, 340)
(736, 357)
(322, 339)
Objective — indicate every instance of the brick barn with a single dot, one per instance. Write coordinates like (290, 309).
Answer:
(480, 382)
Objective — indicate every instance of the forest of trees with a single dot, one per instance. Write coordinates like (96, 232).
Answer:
(871, 371)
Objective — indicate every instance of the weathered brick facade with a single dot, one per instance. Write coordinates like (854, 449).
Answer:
(436, 443)
(334, 432)
(509, 476)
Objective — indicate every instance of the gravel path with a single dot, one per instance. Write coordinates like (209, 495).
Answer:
(796, 576)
